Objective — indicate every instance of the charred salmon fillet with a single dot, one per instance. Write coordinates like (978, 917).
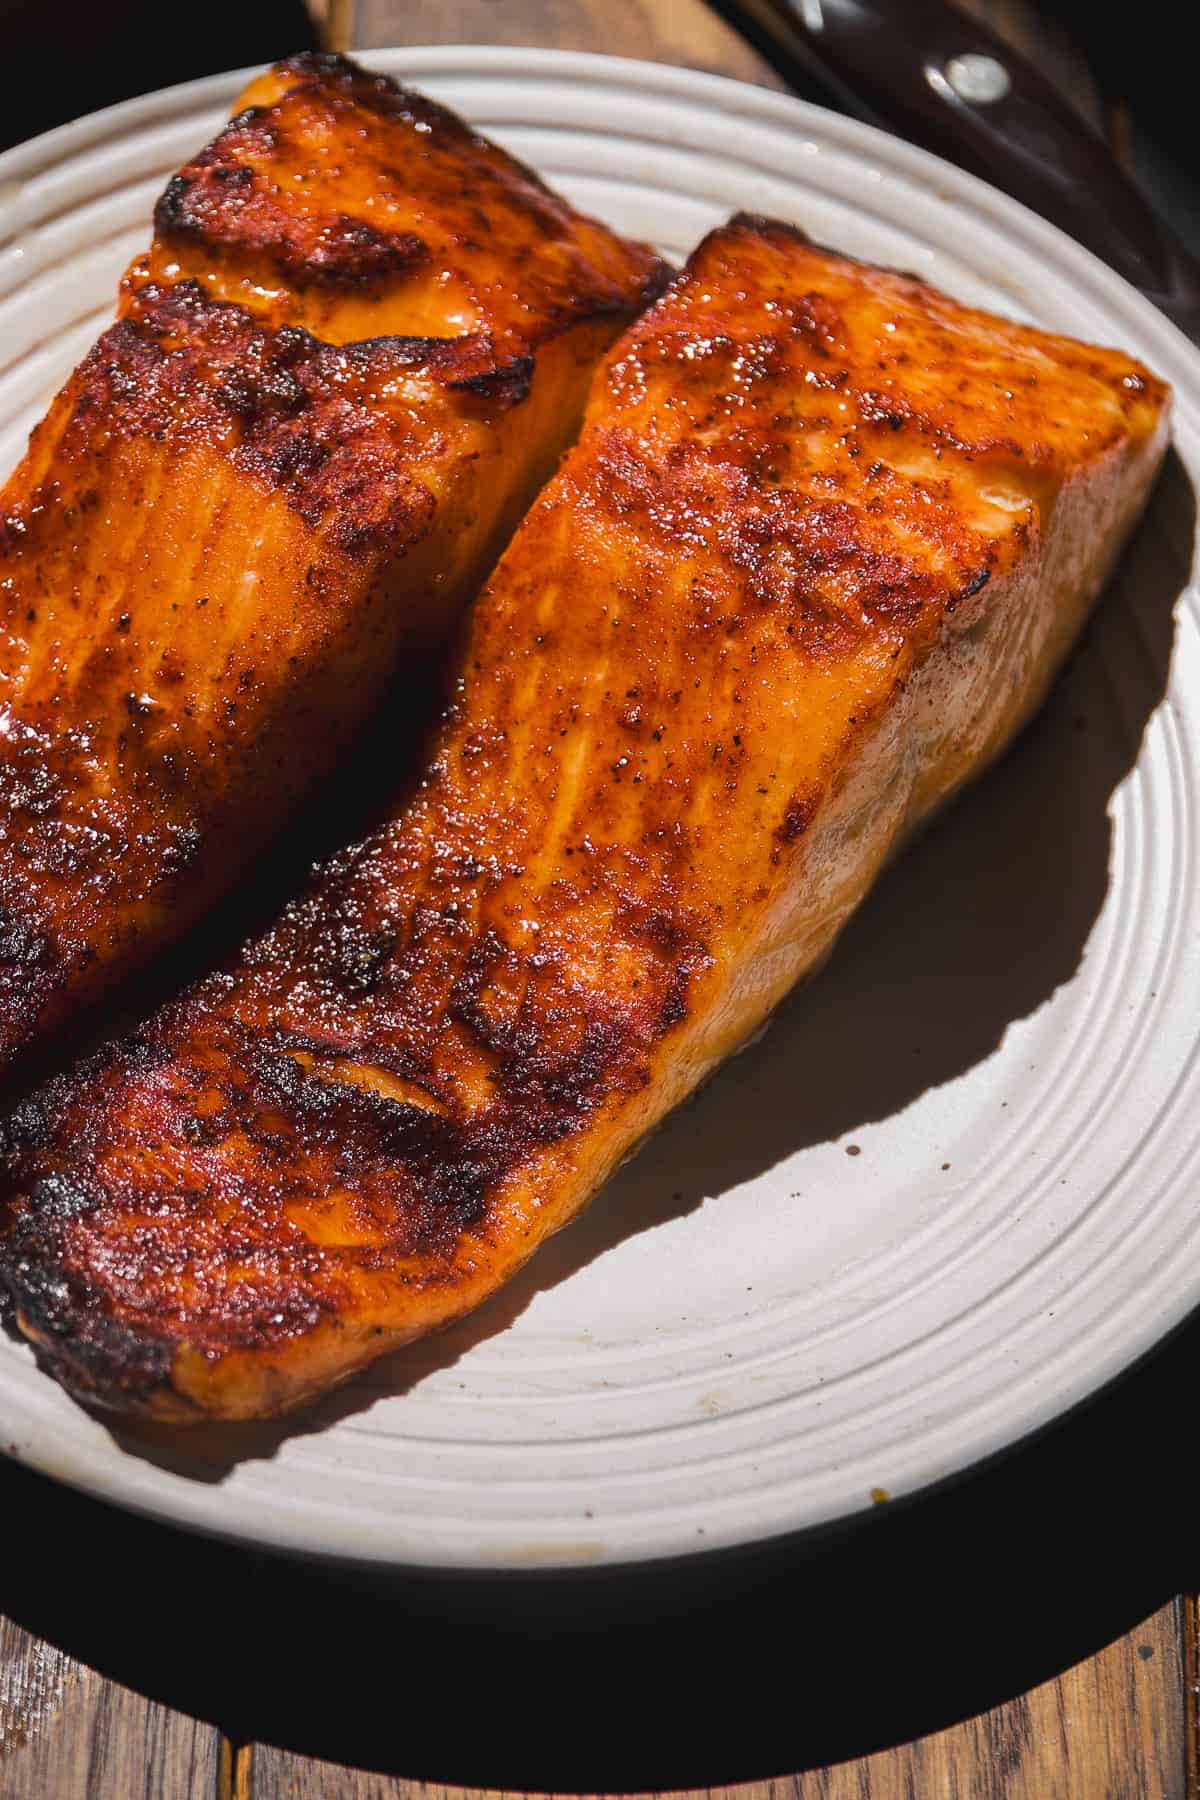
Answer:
(358, 345)
(817, 554)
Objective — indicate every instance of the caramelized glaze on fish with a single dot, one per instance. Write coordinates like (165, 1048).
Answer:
(823, 542)
(358, 345)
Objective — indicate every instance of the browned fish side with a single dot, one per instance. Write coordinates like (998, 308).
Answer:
(358, 345)
(821, 546)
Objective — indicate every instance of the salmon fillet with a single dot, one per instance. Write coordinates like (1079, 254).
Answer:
(821, 546)
(355, 350)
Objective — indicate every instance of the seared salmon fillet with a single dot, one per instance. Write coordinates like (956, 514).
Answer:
(822, 543)
(357, 347)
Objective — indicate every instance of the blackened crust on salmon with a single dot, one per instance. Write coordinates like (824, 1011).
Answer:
(759, 225)
(25, 947)
(222, 205)
(472, 364)
(78, 1337)
(293, 412)
(25, 1128)
(508, 381)
(802, 810)
(31, 963)
(970, 589)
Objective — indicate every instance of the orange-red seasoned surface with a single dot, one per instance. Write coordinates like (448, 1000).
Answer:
(823, 541)
(272, 483)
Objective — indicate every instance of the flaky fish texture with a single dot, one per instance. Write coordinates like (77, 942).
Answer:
(355, 350)
(816, 556)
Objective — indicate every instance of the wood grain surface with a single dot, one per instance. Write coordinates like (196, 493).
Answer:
(686, 32)
(1120, 1725)
(66, 1734)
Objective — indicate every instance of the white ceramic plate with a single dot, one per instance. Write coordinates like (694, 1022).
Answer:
(952, 1190)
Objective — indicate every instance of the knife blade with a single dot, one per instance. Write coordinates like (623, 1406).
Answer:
(932, 74)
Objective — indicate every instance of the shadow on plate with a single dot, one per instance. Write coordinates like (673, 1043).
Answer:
(809, 1650)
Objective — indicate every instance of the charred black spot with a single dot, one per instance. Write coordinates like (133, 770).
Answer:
(668, 933)
(291, 457)
(508, 381)
(95, 1356)
(353, 958)
(26, 1127)
(291, 343)
(252, 395)
(139, 1053)
(235, 180)
(184, 847)
(350, 253)
(656, 283)
(762, 225)
(203, 1130)
(975, 586)
(877, 410)
(23, 946)
(322, 65)
(58, 1196)
(470, 364)
(257, 116)
(13, 528)
(172, 218)
(570, 1084)
(487, 955)
(801, 811)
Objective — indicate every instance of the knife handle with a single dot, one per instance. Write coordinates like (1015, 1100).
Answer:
(947, 82)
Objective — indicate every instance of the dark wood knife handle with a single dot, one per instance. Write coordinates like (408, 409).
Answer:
(901, 61)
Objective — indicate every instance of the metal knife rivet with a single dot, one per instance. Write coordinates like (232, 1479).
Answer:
(979, 79)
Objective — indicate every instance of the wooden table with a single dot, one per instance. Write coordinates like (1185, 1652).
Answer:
(1028, 1634)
